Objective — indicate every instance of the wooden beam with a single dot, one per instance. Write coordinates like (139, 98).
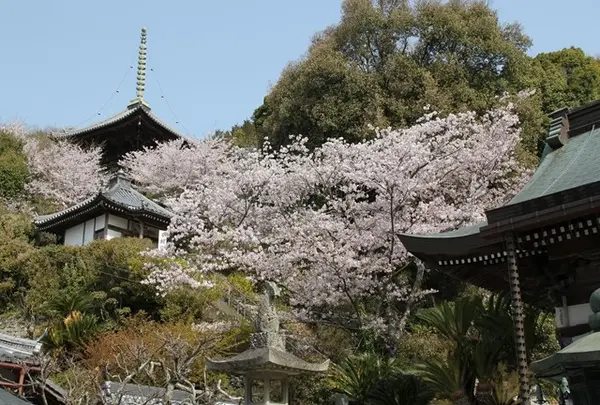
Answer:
(21, 381)
(14, 366)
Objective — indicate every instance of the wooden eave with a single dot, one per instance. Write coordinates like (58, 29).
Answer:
(544, 211)
(98, 205)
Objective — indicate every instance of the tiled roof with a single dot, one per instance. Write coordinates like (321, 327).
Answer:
(13, 349)
(134, 394)
(574, 164)
(121, 116)
(120, 195)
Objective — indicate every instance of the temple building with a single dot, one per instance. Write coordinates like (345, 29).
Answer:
(266, 366)
(130, 130)
(118, 211)
(543, 245)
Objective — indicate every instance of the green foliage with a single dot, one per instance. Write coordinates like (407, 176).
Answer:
(244, 136)
(16, 234)
(482, 345)
(385, 60)
(357, 376)
(109, 273)
(422, 342)
(568, 78)
(73, 333)
(185, 305)
(401, 389)
(14, 172)
(323, 97)
(372, 380)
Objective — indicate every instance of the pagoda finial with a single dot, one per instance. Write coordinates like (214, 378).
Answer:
(141, 72)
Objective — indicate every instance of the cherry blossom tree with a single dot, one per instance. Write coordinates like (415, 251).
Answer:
(16, 128)
(63, 171)
(168, 168)
(325, 223)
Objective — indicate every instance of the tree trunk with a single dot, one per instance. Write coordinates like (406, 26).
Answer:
(518, 318)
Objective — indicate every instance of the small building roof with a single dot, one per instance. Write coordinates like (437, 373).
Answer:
(583, 352)
(119, 197)
(6, 398)
(266, 358)
(134, 394)
(16, 350)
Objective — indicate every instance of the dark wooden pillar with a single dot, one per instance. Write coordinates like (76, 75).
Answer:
(518, 317)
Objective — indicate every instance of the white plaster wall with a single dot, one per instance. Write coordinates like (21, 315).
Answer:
(576, 315)
(74, 235)
(88, 233)
(117, 221)
(100, 222)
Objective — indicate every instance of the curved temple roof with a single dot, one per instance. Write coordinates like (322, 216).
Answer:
(132, 111)
(567, 179)
(119, 196)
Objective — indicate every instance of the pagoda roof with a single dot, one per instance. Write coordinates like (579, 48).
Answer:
(131, 113)
(266, 358)
(17, 350)
(119, 197)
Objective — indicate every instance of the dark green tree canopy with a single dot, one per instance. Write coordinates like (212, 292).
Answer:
(386, 59)
(568, 78)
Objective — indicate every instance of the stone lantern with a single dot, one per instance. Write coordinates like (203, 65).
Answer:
(579, 362)
(266, 366)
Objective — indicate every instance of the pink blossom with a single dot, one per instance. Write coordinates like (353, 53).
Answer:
(63, 171)
(325, 223)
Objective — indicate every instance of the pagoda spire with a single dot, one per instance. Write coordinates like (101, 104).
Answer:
(141, 73)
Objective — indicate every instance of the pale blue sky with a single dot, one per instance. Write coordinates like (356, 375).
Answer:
(62, 60)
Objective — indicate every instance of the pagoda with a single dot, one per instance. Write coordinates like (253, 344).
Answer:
(266, 366)
(130, 130)
(543, 245)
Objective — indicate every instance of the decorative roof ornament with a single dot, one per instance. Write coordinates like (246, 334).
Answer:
(141, 73)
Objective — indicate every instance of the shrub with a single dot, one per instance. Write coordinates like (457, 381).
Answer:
(14, 172)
